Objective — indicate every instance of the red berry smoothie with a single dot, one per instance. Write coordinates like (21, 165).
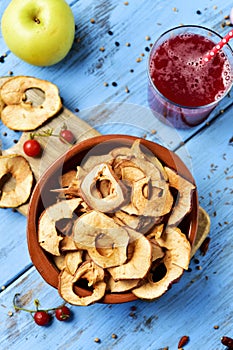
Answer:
(191, 87)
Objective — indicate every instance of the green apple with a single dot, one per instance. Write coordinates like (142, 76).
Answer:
(40, 32)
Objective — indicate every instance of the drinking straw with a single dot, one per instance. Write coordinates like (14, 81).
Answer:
(209, 55)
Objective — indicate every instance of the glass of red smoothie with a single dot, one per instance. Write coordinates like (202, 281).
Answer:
(183, 89)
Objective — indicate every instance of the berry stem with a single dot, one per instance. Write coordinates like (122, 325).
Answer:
(16, 307)
(37, 304)
(48, 133)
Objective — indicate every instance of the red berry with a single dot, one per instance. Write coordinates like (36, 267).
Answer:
(42, 318)
(32, 148)
(62, 313)
(67, 135)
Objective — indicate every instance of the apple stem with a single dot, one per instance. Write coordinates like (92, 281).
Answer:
(37, 20)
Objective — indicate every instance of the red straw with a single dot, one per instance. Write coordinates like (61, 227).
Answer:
(217, 47)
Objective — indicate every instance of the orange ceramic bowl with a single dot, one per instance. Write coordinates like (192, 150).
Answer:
(42, 197)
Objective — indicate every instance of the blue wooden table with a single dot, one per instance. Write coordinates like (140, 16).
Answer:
(200, 305)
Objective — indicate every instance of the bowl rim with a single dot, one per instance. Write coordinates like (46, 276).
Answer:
(40, 260)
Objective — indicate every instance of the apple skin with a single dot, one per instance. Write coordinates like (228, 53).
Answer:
(40, 32)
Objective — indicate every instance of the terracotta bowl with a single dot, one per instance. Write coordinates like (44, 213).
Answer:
(42, 197)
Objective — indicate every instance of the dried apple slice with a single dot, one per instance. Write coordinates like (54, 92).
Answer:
(70, 184)
(140, 262)
(143, 160)
(155, 232)
(141, 224)
(126, 219)
(160, 201)
(73, 260)
(128, 171)
(147, 168)
(141, 194)
(157, 251)
(59, 261)
(89, 188)
(177, 258)
(67, 178)
(89, 271)
(147, 155)
(148, 200)
(67, 245)
(47, 234)
(174, 240)
(105, 240)
(20, 114)
(184, 198)
(19, 168)
(151, 290)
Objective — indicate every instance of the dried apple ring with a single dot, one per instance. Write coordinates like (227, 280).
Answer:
(105, 241)
(17, 167)
(95, 277)
(184, 199)
(20, 114)
(151, 290)
(140, 262)
(116, 195)
(48, 237)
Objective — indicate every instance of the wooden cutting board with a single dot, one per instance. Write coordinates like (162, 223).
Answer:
(52, 146)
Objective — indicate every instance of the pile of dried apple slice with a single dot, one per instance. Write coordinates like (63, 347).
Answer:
(115, 225)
